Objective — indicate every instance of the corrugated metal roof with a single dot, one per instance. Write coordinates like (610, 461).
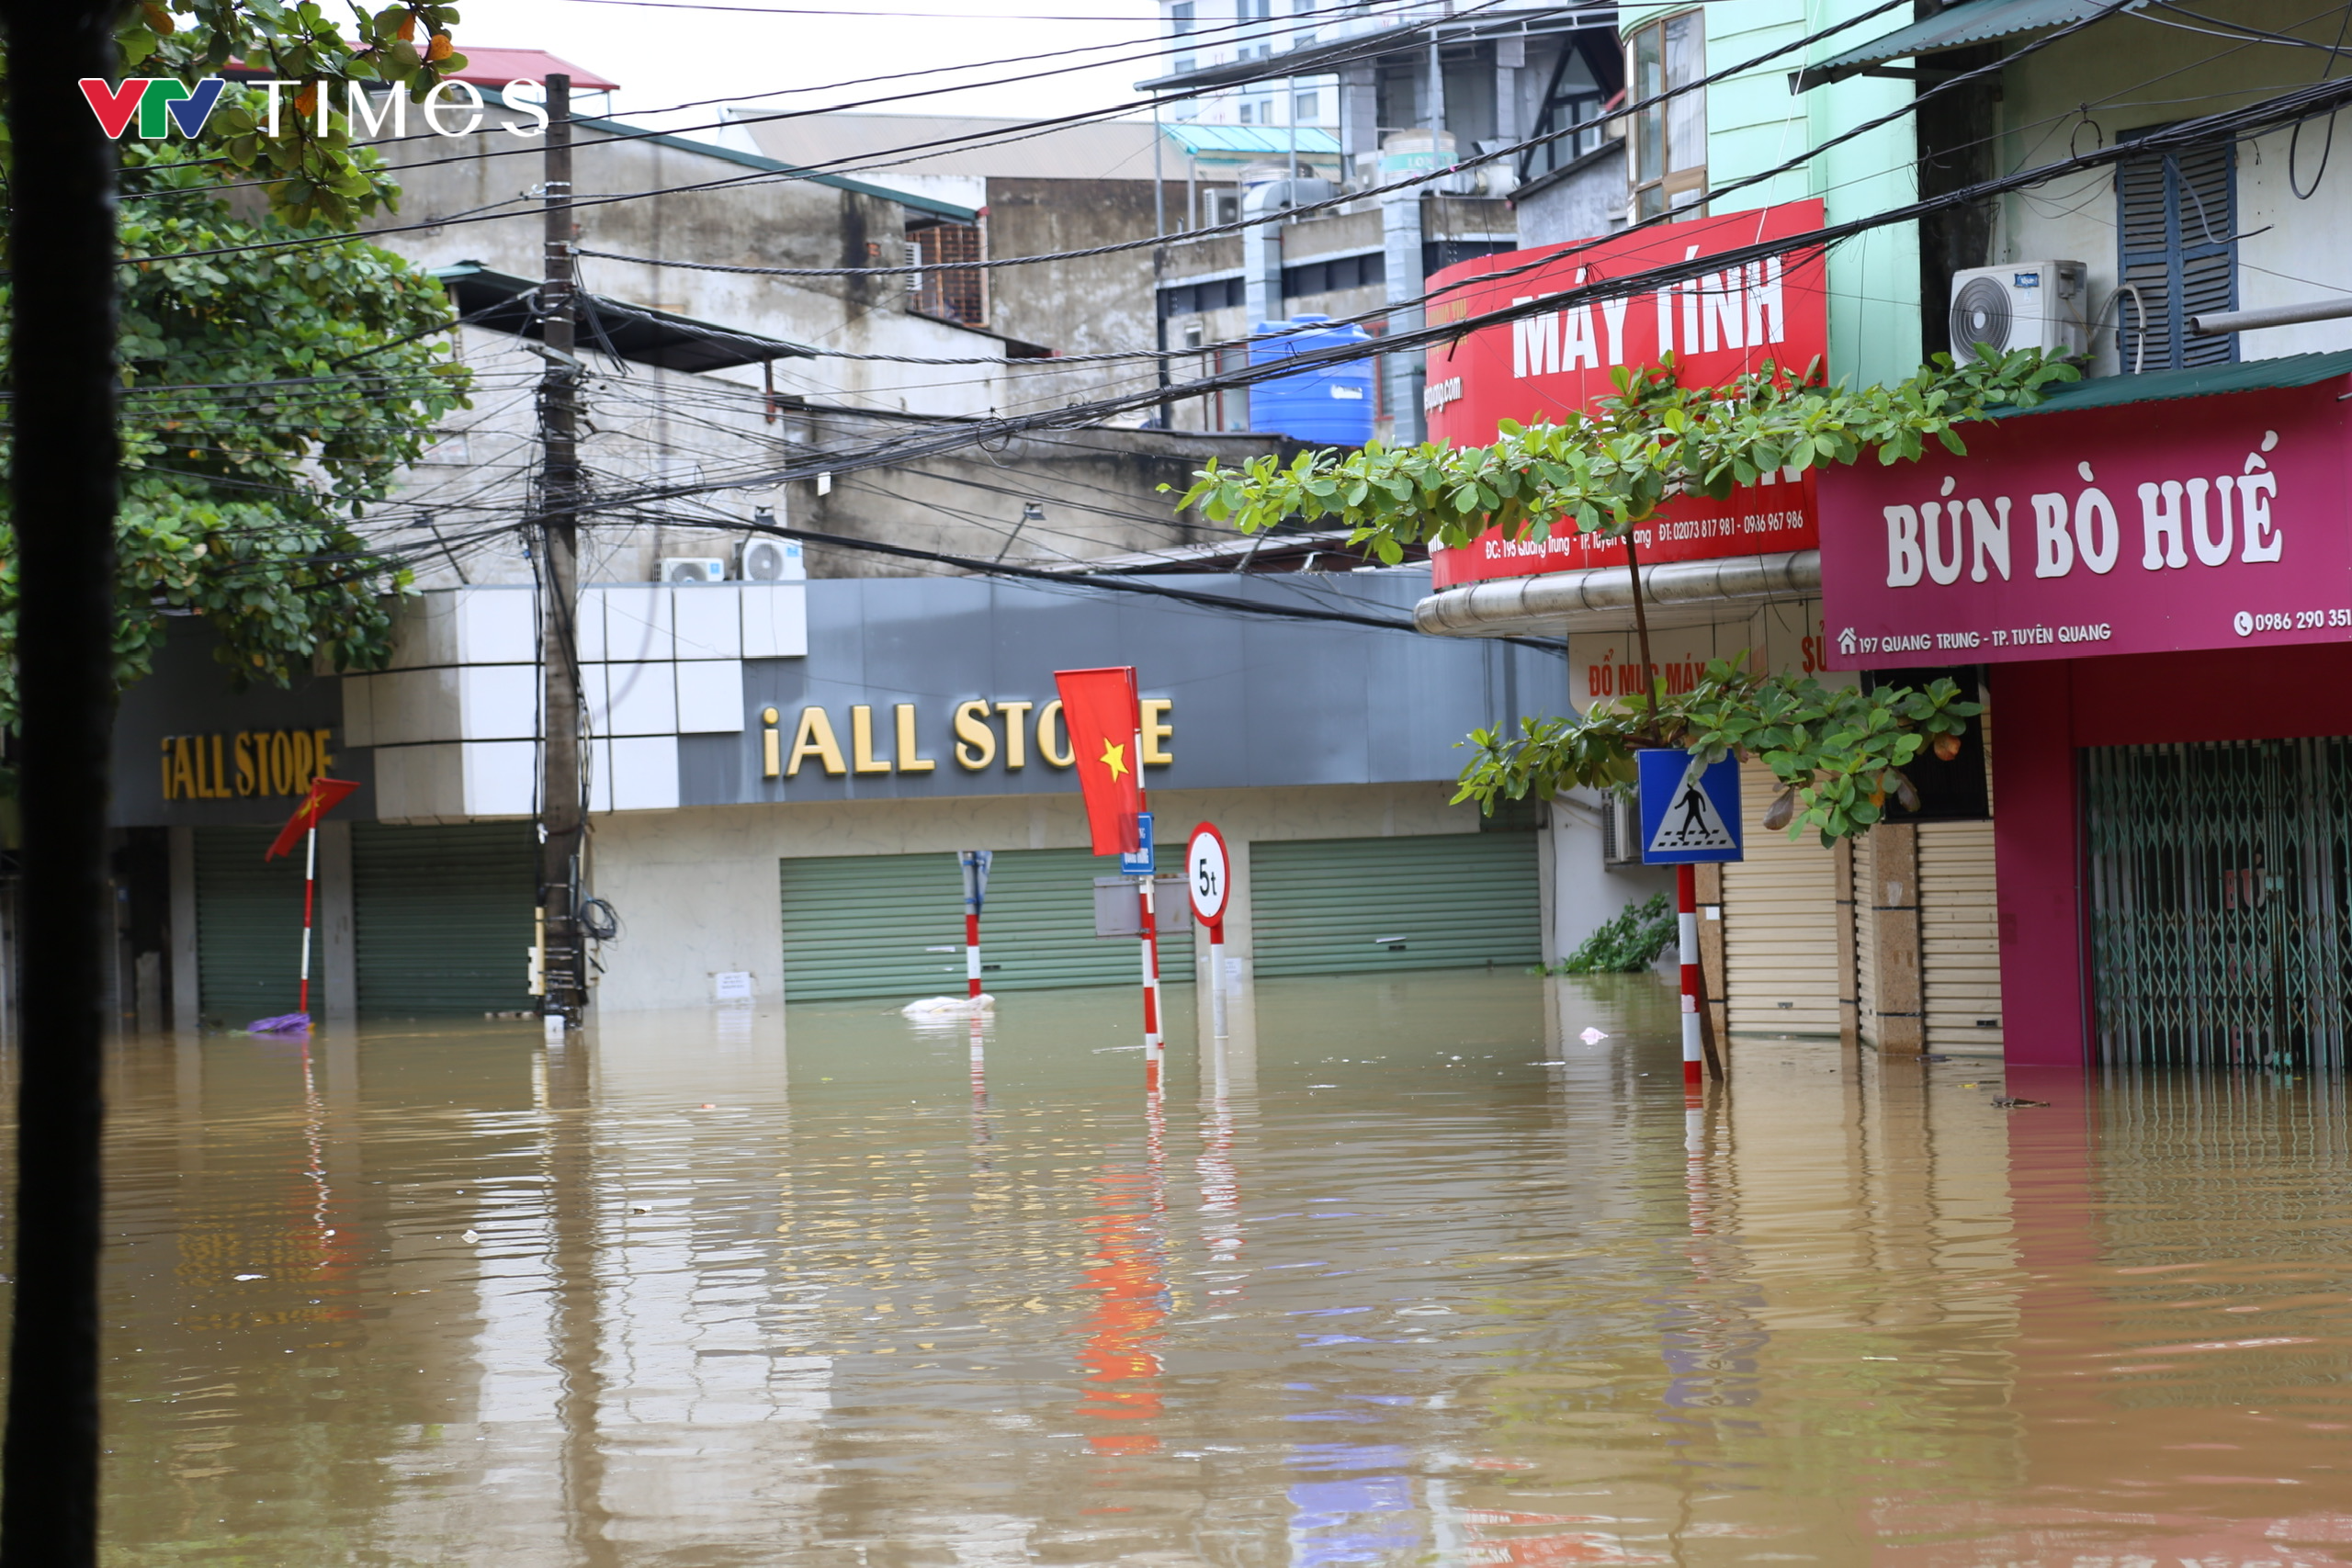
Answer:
(1957, 26)
(501, 301)
(636, 135)
(497, 67)
(2206, 381)
(1109, 150)
(1270, 139)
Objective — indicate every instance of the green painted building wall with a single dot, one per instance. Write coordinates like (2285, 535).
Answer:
(1755, 123)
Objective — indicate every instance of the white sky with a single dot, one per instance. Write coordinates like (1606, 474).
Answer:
(738, 49)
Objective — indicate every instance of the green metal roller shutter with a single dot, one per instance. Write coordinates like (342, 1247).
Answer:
(249, 928)
(443, 917)
(861, 926)
(1352, 905)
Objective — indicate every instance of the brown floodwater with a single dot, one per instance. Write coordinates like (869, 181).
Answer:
(1410, 1272)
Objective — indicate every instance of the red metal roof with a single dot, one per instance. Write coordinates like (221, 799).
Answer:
(496, 67)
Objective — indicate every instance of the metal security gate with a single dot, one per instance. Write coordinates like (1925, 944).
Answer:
(1352, 906)
(2221, 893)
(442, 917)
(249, 929)
(893, 926)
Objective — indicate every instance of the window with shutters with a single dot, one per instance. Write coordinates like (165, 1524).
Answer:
(2176, 232)
(1670, 138)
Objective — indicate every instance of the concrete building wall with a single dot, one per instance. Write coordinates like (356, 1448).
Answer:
(698, 895)
(743, 214)
(1587, 200)
(1093, 304)
(1585, 892)
(651, 428)
(2290, 250)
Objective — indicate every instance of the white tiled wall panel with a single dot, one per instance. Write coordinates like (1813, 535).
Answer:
(498, 702)
(501, 778)
(637, 624)
(592, 624)
(710, 696)
(634, 773)
(775, 621)
(708, 620)
(640, 699)
(497, 626)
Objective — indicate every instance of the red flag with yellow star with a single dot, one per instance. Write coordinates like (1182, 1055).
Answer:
(1100, 712)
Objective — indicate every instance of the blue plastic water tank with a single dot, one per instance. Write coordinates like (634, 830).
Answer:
(1329, 404)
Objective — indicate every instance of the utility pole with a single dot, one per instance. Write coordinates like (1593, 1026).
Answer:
(1159, 271)
(563, 958)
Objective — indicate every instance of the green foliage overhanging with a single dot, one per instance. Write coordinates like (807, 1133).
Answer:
(269, 398)
(311, 173)
(1838, 753)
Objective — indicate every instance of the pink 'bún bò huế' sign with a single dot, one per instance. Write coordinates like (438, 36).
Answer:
(2198, 522)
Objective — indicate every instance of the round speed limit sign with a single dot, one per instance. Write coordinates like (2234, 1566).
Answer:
(1205, 873)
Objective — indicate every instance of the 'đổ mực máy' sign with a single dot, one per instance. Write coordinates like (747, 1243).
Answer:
(2196, 523)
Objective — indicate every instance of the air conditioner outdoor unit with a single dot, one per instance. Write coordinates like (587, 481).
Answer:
(772, 561)
(2043, 305)
(1621, 830)
(694, 568)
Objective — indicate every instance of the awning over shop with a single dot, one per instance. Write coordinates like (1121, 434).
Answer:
(1250, 143)
(638, 332)
(2202, 381)
(1956, 26)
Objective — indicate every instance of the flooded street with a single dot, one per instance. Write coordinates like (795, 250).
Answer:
(1409, 1273)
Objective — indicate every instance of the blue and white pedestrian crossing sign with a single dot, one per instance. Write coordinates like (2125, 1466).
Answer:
(1690, 812)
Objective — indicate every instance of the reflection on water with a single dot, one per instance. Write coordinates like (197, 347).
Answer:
(1401, 1272)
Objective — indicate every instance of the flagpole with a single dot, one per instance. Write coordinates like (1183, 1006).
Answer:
(309, 890)
(1153, 1052)
(1151, 1045)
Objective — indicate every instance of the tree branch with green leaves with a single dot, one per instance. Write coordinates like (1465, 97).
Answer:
(269, 399)
(1837, 753)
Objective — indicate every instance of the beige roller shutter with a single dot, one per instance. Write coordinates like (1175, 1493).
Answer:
(1779, 925)
(1865, 939)
(1960, 951)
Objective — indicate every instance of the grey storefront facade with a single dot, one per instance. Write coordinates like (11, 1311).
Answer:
(781, 776)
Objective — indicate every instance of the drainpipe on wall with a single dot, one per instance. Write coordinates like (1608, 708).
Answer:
(1400, 239)
(1262, 258)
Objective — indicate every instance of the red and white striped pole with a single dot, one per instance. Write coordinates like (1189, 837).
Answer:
(1151, 1030)
(972, 952)
(310, 892)
(1151, 1045)
(1685, 904)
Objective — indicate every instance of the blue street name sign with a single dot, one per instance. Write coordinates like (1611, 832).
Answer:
(1689, 814)
(1139, 862)
(976, 877)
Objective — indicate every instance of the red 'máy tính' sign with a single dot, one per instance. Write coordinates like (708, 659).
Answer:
(1719, 325)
